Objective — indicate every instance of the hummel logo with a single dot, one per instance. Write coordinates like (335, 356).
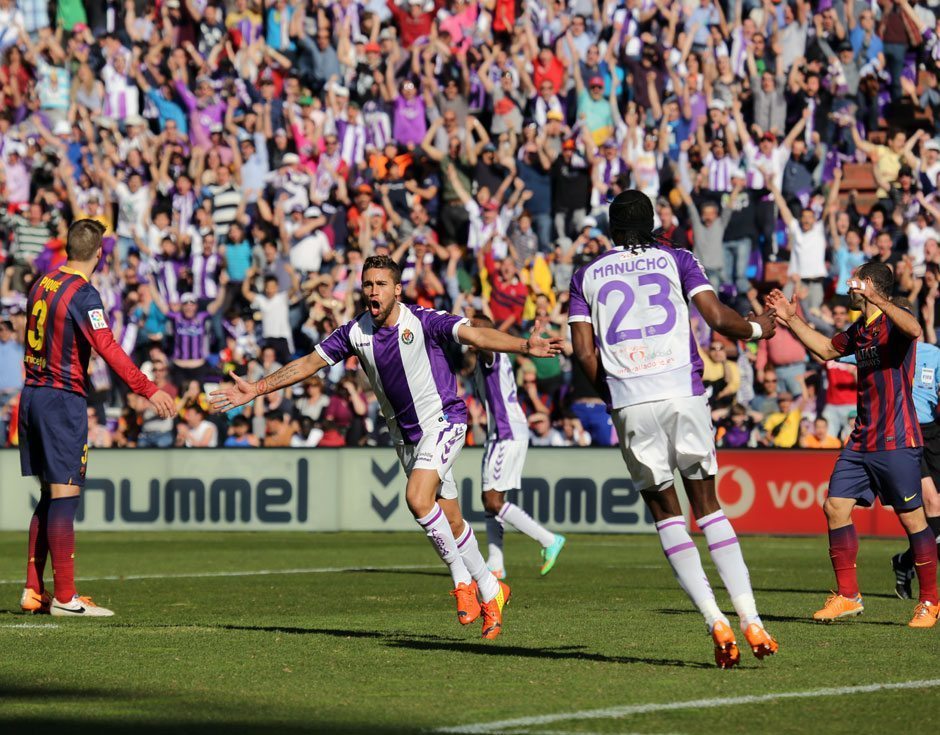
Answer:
(910, 498)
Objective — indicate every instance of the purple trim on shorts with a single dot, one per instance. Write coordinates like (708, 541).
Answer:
(705, 525)
(433, 520)
(667, 524)
(680, 547)
(465, 538)
(720, 544)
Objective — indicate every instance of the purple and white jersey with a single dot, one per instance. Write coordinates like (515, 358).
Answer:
(496, 385)
(191, 336)
(637, 301)
(408, 368)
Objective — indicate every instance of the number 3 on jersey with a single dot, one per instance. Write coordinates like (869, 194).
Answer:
(37, 335)
(659, 298)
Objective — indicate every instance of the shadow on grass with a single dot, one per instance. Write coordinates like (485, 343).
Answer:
(456, 645)
(807, 620)
(791, 590)
(153, 715)
(140, 725)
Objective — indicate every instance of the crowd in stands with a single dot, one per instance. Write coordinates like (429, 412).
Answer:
(246, 156)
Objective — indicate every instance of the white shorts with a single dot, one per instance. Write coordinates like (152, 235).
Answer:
(502, 464)
(436, 452)
(660, 437)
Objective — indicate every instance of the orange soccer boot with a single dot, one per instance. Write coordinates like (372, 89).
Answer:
(925, 615)
(838, 606)
(726, 647)
(493, 612)
(468, 606)
(761, 642)
(35, 603)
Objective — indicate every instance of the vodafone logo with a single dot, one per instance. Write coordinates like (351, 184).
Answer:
(735, 490)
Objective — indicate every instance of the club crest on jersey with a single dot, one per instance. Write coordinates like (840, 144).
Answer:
(97, 319)
(407, 336)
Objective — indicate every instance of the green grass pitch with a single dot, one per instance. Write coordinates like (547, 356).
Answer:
(379, 651)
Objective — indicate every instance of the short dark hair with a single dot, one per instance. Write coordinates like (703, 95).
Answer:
(241, 420)
(882, 278)
(84, 239)
(382, 262)
(631, 219)
(482, 321)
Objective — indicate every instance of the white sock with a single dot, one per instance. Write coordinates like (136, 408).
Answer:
(473, 560)
(494, 538)
(683, 556)
(522, 521)
(726, 553)
(437, 528)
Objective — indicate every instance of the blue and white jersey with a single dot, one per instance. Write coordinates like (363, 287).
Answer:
(407, 366)
(926, 374)
(637, 301)
(496, 385)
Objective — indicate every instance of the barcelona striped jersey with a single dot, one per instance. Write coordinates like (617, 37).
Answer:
(886, 417)
(66, 321)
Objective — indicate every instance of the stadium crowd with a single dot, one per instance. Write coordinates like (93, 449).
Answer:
(246, 158)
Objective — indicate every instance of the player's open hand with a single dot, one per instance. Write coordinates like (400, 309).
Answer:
(785, 308)
(237, 395)
(767, 321)
(544, 346)
(163, 404)
(863, 287)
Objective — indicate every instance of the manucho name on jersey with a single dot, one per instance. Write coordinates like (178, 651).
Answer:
(632, 265)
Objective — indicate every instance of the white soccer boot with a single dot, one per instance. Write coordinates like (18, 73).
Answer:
(79, 607)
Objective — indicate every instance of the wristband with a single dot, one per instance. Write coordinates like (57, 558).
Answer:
(756, 331)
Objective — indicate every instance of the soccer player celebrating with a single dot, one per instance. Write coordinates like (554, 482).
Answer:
(507, 441)
(402, 349)
(66, 322)
(633, 300)
(882, 456)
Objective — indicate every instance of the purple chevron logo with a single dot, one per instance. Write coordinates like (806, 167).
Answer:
(448, 446)
(498, 464)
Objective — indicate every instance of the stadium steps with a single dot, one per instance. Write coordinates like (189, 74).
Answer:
(858, 177)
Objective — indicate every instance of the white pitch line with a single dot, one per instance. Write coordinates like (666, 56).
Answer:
(47, 626)
(641, 709)
(250, 573)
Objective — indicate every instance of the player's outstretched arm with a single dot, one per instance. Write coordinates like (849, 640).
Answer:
(786, 311)
(94, 325)
(484, 338)
(243, 391)
(728, 322)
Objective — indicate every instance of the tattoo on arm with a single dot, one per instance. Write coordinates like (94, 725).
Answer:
(285, 376)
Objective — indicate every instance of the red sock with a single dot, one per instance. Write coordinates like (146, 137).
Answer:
(38, 546)
(61, 535)
(924, 546)
(843, 549)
